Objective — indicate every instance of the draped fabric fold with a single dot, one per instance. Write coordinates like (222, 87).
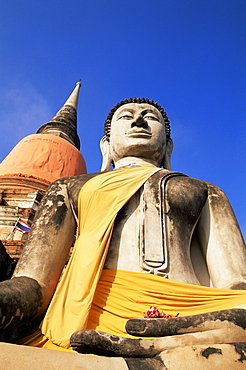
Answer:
(100, 199)
(123, 295)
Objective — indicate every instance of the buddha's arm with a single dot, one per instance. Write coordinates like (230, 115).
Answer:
(39, 268)
(222, 242)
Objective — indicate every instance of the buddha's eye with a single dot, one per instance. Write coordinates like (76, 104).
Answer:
(150, 117)
(125, 116)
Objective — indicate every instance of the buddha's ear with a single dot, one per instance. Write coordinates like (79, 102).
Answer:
(167, 157)
(105, 150)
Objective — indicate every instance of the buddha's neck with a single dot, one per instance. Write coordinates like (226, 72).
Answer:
(134, 162)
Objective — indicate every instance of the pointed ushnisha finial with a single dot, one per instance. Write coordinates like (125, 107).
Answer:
(64, 123)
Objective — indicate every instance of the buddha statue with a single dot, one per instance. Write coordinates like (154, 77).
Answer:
(145, 236)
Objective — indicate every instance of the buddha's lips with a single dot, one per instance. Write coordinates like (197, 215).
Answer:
(138, 132)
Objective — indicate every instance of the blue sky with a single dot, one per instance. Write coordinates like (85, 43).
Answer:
(188, 55)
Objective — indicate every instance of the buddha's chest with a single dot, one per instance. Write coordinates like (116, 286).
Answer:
(144, 227)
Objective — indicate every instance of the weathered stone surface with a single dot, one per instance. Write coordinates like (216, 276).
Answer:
(202, 357)
(155, 363)
(190, 324)
(13, 334)
(99, 343)
(20, 300)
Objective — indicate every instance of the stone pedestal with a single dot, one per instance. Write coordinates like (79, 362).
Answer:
(14, 357)
(202, 357)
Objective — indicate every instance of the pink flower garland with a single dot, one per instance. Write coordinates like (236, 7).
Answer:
(153, 312)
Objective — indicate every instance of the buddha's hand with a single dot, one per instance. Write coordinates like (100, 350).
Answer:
(160, 327)
(216, 327)
(20, 299)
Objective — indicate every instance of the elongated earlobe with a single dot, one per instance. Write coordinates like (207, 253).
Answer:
(167, 157)
(106, 158)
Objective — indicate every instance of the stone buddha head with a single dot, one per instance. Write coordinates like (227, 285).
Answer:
(137, 128)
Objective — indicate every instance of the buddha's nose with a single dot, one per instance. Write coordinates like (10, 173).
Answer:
(140, 122)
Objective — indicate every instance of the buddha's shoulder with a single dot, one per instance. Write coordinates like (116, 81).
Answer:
(72, 184)
(179, 182)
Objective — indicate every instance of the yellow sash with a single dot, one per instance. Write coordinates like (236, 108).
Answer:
(100, 199)
(123, 295)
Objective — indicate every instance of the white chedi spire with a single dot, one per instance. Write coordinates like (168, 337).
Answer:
(74, 97)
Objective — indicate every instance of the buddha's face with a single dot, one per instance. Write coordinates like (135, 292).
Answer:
(138, 130)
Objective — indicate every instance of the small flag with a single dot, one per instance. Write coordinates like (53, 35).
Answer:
(22, 226)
